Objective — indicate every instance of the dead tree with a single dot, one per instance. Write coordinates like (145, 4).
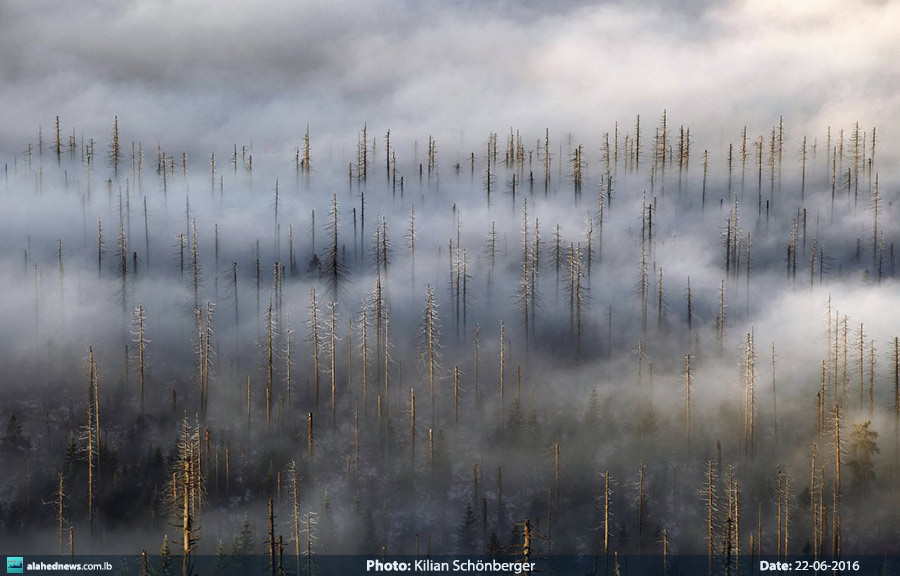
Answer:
(430, 344)
(207, 354)
(687, 402)
(91, 434)
(141, 342)
(60, 517)
(270, 362)
(115, 149)
(332, 358)
(710, 500)
(411, 242)
(314, 326)
(334, 271)
(364, 348)
(187, 489)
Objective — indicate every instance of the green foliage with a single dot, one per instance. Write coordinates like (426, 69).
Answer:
(863, 448)
(14, 441)
(534, 426)
(243, 543)
(165, 558)
(369, 530)
(326, 521)
(221, 562)
(442, 469)
(72, 454)
(494, 546)
(514, 423)
(465, 542)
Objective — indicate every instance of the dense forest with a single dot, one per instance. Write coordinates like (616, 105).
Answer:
(643, 341)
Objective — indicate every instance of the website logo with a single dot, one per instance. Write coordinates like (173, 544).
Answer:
(14, 565)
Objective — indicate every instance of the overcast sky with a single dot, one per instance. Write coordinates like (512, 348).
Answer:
(198, 74)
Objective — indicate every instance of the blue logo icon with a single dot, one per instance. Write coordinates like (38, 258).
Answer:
(14, 565)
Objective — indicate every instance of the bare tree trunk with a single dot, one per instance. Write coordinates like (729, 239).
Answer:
(836, 492)
(641, 506)
(206, 357)
(141, 342)
(364, 348)
(475, 360)
(412, 430)
(60, 496)
(787, 512)
(333, 362)
(272, 565)
(897, 393)
(607, 495)
(455, 395)
(709, 492)
(99, 247)
(314, 326)
(687, 402)
(270, 363)
(501, 371)
(720, 319)
(309, 436)
(92, 378)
